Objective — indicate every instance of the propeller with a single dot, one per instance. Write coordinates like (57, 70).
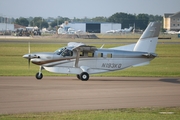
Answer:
(29, 56)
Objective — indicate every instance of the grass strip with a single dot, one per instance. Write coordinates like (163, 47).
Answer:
(172, 113)
(12, 64)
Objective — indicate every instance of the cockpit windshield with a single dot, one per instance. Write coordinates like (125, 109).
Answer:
(64, 52)
(59, 51)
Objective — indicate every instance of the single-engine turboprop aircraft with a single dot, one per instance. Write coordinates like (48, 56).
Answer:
(82, 60)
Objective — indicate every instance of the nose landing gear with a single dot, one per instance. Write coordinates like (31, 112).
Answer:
(39, 75)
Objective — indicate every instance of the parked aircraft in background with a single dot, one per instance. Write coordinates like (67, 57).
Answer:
(125, 30)
(82, 60)
(111, 31)
(172, 32)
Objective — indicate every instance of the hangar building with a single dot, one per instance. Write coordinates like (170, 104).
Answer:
(6, 26)
(93, 27)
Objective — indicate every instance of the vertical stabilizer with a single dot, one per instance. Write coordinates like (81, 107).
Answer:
(148, 40)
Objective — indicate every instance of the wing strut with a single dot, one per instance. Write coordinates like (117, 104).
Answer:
(77, 58)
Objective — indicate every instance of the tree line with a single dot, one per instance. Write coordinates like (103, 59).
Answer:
(140, 20)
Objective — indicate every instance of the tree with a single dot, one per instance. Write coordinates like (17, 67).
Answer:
(39, 22)
(22, 21)
(99, 19)
(142, 21)
(30, 18)
(125, 19)
(59, 21)
(44, 24)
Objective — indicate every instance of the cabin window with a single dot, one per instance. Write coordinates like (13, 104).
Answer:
(67, 53)
(81, 53)
(100, 54)
(109, 55)
(90, 54)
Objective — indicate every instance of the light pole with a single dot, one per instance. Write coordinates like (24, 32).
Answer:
(1, 17)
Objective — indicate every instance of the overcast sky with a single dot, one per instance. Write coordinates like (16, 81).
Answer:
(85, 8)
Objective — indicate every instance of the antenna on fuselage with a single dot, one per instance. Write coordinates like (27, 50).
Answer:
(102, 46)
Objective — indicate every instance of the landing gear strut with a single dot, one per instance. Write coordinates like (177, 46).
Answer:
(84, 76)
(39, 75)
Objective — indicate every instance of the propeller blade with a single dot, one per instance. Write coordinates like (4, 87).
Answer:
(29, 51)
(29, 62)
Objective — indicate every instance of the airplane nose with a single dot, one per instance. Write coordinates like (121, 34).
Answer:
(26, 56)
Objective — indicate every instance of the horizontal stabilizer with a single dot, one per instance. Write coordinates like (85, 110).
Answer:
(150, 55)
(141, 64)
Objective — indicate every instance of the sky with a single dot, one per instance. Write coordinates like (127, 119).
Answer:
(85, 8)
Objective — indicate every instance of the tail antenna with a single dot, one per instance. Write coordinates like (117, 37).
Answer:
(102, 46)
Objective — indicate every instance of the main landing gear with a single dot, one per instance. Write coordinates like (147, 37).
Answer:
(84, 76)
(39, 75)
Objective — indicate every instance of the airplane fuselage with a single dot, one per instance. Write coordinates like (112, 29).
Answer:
(98, 61)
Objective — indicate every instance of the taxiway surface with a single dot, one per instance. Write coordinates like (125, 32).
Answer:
(26, 94)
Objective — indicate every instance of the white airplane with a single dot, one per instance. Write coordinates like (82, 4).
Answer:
(111, 31)
(125, 30)
(82, 60)
(172, 32)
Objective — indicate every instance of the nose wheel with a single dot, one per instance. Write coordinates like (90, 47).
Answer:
(39, 75)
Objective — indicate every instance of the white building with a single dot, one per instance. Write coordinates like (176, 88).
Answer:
(172, 21)
(6, 27)
(89, 27)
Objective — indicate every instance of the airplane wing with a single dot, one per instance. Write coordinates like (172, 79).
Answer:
(80, 46)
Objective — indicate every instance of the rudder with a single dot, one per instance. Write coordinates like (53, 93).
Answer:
(148, 40)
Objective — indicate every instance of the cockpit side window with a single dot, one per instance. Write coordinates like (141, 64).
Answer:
(64, 52)
(67, 53)
(59, 51)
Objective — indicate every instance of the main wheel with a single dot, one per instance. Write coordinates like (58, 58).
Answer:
(39, 76)
(78, 76)
(84, 76)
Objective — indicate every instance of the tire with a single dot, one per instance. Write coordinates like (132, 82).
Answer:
(39, 76)
(84, 76)
(78, 76)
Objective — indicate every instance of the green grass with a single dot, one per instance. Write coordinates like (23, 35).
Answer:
(116, 114)
(167, 64)
(12, 64)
